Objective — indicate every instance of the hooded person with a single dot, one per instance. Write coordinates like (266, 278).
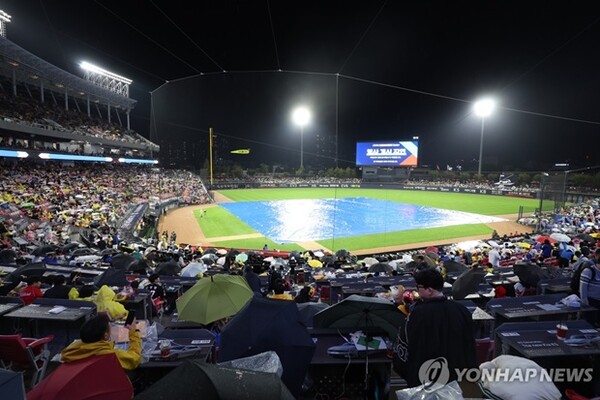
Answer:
(105, 302)
(95, 341)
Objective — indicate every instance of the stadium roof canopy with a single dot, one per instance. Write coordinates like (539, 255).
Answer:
(31, 69)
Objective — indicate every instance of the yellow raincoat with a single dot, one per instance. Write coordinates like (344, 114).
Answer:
(129, 359)
(105, 302)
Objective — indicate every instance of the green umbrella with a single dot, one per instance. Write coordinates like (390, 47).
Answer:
(27, 205)
(214, 298)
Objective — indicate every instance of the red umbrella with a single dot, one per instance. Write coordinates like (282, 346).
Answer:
(80, 380)
(542, 239)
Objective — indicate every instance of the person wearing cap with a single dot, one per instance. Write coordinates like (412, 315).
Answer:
(589, 286)
(582, 258)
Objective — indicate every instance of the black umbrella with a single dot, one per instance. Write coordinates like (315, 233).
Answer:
(140, 266)
(122, 261)
(111, 277)
(43, 250)
(31, 269)
(467, 283)
(108, 251)
(381, 267)
(586, 237)
(361, 312)
(84, 251)
(530, 274)
(69, 247)
(342, 253)
(328, 260)
(308, 310)
(453, 266)
(210, 250)
(8, 256)
(270, 325)
(170, 268)
(193, 377)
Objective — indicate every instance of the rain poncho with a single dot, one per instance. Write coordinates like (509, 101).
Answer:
(105, 302)
(129, 359)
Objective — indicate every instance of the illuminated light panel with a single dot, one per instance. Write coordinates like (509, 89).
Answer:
(137, 160)
(13, 153)
(93, 68)
(74, 157)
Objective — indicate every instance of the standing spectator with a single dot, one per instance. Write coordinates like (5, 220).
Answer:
(437, 327)
(32, 291)
(546, 249)
(494, 257)
(589, 286)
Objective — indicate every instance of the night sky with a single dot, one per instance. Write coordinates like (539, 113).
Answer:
(404, 70)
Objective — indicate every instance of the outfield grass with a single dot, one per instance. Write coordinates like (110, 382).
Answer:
(219, 222)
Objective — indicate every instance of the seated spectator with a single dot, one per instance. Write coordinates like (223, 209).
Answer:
(95, 341)
(279, 292)
(59, 289)
(32, 291)
(84, 293)
(305, 295)
(105, 302)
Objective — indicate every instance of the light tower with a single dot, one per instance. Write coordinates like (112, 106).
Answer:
(4, 19)
(106, 79)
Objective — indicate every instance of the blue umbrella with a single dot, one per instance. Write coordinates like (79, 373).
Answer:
(270, 325)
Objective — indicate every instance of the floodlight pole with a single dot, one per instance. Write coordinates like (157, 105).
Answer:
(302, 147)
(481, 146)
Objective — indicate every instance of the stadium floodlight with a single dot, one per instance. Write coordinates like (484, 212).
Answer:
(13, 154)
(483, 108)
(301, 116)
(106, 79)
(4, 19)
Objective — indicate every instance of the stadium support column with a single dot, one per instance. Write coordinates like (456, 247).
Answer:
(128, 126)
(42, 91)
(87, 97)
(108, 108)
(66, 99)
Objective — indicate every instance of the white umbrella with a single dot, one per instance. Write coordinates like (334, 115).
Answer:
(193, 269)
(560, 237)
(369, 261)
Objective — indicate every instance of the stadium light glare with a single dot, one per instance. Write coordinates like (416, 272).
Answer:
(93, 68)
(4, 16)
(301, 117)
(13, 154)
(483, 108)
(137, 161)
(69, 157)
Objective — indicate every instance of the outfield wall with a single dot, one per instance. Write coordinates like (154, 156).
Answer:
(371, 185)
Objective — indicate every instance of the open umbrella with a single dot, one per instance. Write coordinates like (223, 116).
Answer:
(79, 381)
(467, 283)
(193, 377)
(270, 325)
(308, 310)
(169, 268)
(560, 237)
(361, 312)
(586, 237)
(108, 251)
(453, 266)
(314, 263)
(8, 256)
(43, 250)
(213, 298)
(193, 269)
(31, 269)
(380, 267)
(543, 238)
(69, 247)
(82, 251)
(342, 253)
(241, 258)
(368, 261)
(11, 384)
(122, 261)
(111, 277)
(530, 274)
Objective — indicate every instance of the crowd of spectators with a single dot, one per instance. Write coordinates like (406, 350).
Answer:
(48, 115)
(42, 202)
